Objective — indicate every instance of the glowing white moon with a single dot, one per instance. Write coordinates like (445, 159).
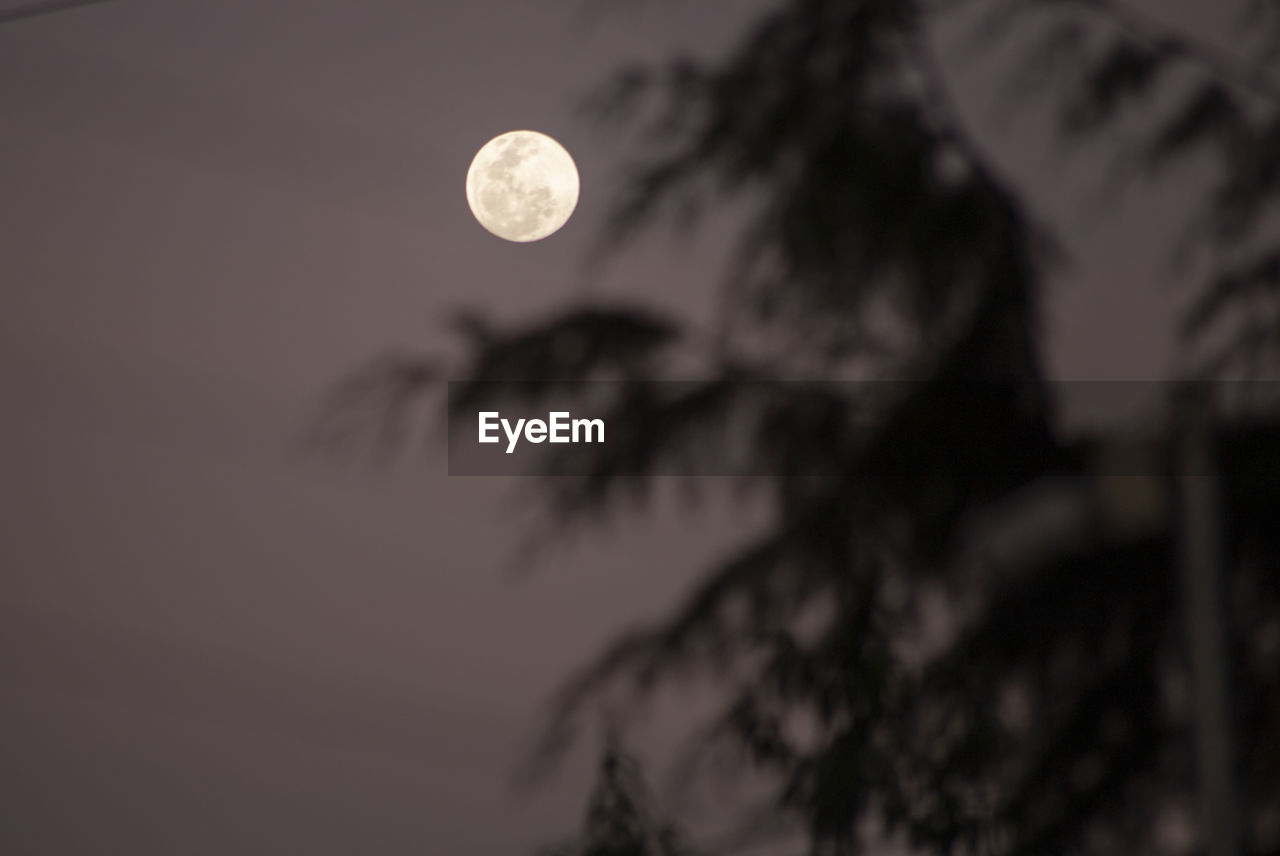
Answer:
(522, 186)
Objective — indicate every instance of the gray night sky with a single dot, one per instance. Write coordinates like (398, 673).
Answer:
(209, 210)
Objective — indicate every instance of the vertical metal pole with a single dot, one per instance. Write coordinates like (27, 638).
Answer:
(1203, 581)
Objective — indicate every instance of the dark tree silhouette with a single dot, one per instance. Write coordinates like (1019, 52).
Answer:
(621, 818)
(1052, 720)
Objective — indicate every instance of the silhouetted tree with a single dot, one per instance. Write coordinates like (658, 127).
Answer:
(886, 244)
(621, 818)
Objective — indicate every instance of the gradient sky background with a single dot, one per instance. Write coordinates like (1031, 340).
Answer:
(210, 210)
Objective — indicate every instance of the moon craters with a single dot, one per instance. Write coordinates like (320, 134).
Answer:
(522, 186)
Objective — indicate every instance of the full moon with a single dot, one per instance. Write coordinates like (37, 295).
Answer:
(522, 186)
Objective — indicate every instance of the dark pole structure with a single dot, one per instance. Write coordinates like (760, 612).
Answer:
(1198, 518)
(1059, 516)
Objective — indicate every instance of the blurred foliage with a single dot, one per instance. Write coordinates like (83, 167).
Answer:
(885, 243)
(621, 817)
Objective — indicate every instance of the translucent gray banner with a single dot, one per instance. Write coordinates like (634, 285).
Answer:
(730, 427)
